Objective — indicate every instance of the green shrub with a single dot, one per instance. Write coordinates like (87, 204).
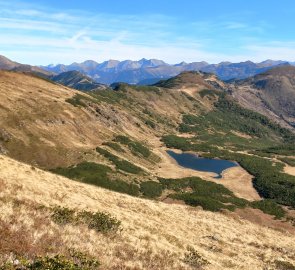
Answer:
(73, 261)
(289, 161)
(208, 92)
(173, 141)
(114, 146)
(99, 221)
(269, 207)
(194, 199)
(195, 191)
(77, 100)
(60, 262)
(88, 172)
(151, 189)
(120, 164)
(126, 166)
(63, 215)
(136, 148)
(150, 123)
(97, 174)
(110, 96)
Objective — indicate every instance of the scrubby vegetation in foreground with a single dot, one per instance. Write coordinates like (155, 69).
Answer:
(154, 236)
(99, 221)
(193, 191)
(72, 261)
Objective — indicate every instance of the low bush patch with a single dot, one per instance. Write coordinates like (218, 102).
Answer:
(77, 101)
(114, 146)
(269, 207)
(72, 261)
(151, 189)
(97, 174)
(120, 164)
(136, 148)
(99, 221)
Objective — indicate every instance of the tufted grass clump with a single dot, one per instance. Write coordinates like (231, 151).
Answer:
(63, 215)
(194, 259)
(99, 221)
(283, 265)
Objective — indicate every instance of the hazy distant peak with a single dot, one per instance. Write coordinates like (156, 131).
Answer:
(151, 62)
(109, 64)
(180, 64)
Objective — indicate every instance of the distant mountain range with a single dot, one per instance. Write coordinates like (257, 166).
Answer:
(150, 71)
(143, 72)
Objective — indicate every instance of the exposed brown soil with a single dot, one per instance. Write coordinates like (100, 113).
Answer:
(258, 217)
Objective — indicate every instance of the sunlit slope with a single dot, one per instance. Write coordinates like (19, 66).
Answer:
(154, 235)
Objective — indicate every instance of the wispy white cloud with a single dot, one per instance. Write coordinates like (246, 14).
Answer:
(38, 36)
(235, 25)
(272, 50)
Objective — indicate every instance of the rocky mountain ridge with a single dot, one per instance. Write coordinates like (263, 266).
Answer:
(148, 71)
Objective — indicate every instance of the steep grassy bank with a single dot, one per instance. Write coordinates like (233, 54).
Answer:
(152, 235)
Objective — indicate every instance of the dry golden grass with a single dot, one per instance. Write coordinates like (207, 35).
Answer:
(42, 128)
(155, 235)
(289, 170)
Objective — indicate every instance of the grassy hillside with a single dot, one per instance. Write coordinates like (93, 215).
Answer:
(65, 130)
(271, 92)
(93, 228)
(109, 143)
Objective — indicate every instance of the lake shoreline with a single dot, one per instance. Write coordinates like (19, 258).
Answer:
(194, 161)
(236, 179)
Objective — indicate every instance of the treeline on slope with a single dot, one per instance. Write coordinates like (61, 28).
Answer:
(135, 147)
(269, 179)
(98, 175)
(121, 164)
(193, 191)
(229, 116)
(225, 104)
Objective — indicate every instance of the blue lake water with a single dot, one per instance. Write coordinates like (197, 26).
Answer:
(192, 161)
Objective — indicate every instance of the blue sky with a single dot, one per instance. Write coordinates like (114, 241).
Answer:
(50, 31)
